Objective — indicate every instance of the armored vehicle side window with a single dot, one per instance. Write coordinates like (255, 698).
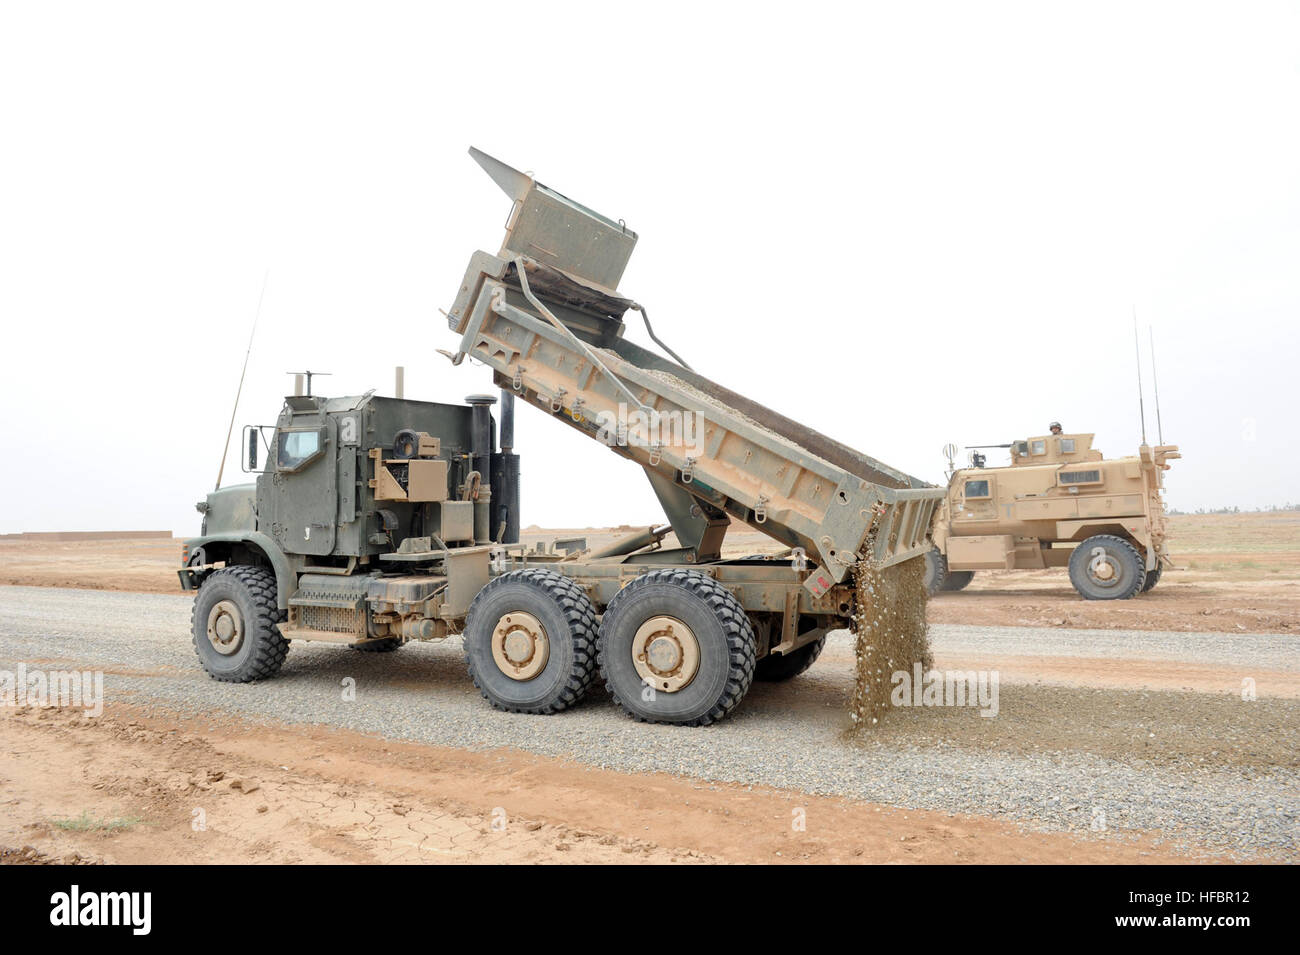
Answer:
(1067, 445)
(1038, 447)
(1079, 477)
(977, 488)
(296, 448)
(1022, 448)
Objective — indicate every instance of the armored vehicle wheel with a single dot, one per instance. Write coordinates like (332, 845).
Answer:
(386, 645)
(1106, 567)
(1153, 577)
(936, 571)
(530, 642)
(957, 580)
(676, 647)
(234, 625)
(778, 667)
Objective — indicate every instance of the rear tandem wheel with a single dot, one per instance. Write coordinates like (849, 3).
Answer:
(676, 647)
(779, 667)
(530, 642)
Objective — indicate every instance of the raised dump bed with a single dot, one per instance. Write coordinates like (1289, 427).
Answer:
(545, 315)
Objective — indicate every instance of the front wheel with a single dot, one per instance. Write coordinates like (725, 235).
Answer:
(1106, 567)
(530, 642)
(676, 647)
(234, 625)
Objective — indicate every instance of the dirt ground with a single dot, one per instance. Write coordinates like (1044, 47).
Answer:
(140, 785)
(133, 788)
(1236, 572)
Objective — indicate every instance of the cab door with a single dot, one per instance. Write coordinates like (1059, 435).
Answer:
(306, 487)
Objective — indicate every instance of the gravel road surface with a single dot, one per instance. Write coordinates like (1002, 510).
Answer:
(1206, 771)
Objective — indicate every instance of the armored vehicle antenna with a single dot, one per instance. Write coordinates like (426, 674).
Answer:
(950, 452)
(1160, 428)
(1137, 349)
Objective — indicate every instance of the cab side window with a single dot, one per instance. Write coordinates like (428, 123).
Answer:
(977, 489)
(296, 448)
(1079, 477)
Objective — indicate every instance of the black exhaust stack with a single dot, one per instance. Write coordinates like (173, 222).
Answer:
(505, 478)
(482, 444)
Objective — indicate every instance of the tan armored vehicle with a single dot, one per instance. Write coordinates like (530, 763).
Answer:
(1059, 504)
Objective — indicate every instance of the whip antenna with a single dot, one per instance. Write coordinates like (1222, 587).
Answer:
(1155, 382)
(243, 371)
(1137, 348)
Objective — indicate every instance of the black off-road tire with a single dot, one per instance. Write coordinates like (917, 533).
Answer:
(1122, 554)
(1153, 577)
(779, 667)
(386, 645)
(721, 627)
(261, 652)
(957, 580)
(936, 571)
(565, 612)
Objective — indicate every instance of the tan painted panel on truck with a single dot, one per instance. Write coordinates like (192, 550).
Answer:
(1110, 506)
(983, 553)
(428, 480)
(456, 520)
(468, 571)
(1045, 508)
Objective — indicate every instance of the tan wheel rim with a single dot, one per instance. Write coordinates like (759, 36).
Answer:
(666, 654)
(1101, 566)
(520, 646)
(225, 627)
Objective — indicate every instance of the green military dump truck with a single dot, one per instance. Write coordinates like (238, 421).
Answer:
(377, 521)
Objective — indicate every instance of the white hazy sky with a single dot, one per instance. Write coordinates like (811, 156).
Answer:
(905, 224)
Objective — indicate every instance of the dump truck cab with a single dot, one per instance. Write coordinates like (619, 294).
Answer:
(1060, 503)
(365, 508)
